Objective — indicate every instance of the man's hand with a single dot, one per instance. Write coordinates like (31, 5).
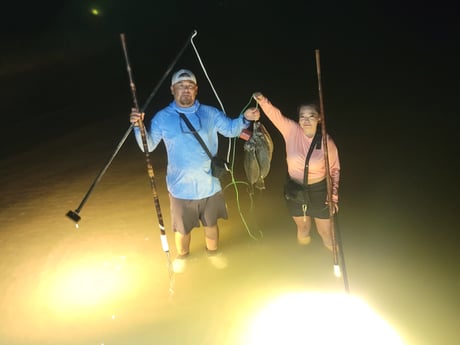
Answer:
(252, 114)
(135, 116)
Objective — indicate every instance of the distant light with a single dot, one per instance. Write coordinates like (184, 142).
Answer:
(320, 319)
(95, 12)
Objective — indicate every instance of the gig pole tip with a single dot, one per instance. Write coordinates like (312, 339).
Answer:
(337, 271)
(74, 216)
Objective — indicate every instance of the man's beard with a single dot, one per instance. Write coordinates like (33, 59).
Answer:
(186, 100)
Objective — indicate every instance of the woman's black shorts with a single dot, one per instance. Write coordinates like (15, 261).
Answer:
(316, 202)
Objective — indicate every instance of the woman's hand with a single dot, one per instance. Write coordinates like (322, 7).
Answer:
(258, 96)
(335, 207)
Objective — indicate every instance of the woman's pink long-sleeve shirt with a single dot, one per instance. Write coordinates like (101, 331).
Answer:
(297, 146)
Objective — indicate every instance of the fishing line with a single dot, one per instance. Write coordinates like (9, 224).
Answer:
(231, 145)
(207, 76)
(234, 183)
(215, 94)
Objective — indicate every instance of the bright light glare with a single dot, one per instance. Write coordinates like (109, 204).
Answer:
(320, 319)
(88, 284)
(95, 12)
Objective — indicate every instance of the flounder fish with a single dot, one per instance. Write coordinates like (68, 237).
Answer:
(258, 152)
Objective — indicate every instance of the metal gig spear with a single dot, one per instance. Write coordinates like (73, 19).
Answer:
(75, 214)
(140, 123)
(332, 212)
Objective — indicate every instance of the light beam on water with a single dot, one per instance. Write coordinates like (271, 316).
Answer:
(320, 319)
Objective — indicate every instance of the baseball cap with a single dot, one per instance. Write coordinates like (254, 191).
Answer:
(183, 74)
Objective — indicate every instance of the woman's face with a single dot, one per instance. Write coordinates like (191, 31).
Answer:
(308, 118)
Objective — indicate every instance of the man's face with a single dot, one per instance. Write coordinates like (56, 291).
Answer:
(184, 93)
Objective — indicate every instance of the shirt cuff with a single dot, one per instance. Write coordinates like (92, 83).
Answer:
(246, 122)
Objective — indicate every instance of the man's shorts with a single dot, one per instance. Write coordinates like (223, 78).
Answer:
(187, 214)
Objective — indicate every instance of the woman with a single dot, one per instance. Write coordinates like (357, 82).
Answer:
(306, 188)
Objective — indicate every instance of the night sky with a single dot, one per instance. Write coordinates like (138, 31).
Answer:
(388, 56)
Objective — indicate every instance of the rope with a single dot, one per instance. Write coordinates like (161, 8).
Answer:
(234, 183)
(231, 149)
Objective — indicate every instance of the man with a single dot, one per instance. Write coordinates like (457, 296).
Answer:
(195, 195)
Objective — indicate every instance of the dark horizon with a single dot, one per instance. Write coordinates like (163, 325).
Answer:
(380, 58)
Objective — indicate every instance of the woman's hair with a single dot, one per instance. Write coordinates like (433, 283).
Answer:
(314, 105)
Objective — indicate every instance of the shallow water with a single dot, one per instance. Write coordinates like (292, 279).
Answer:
(107, 282)
(390, 111)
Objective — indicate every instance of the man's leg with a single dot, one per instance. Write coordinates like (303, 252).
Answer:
(217, 259)
(211, 234)
(182, 243)
(183, 250)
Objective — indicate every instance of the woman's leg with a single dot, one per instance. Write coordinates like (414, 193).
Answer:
(303, 229)
(324, 229)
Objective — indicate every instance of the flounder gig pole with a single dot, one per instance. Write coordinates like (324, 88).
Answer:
(140, 123)
(332, 211)
(75, 215)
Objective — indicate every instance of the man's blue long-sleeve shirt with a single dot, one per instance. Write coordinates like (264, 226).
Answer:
(188, 174)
